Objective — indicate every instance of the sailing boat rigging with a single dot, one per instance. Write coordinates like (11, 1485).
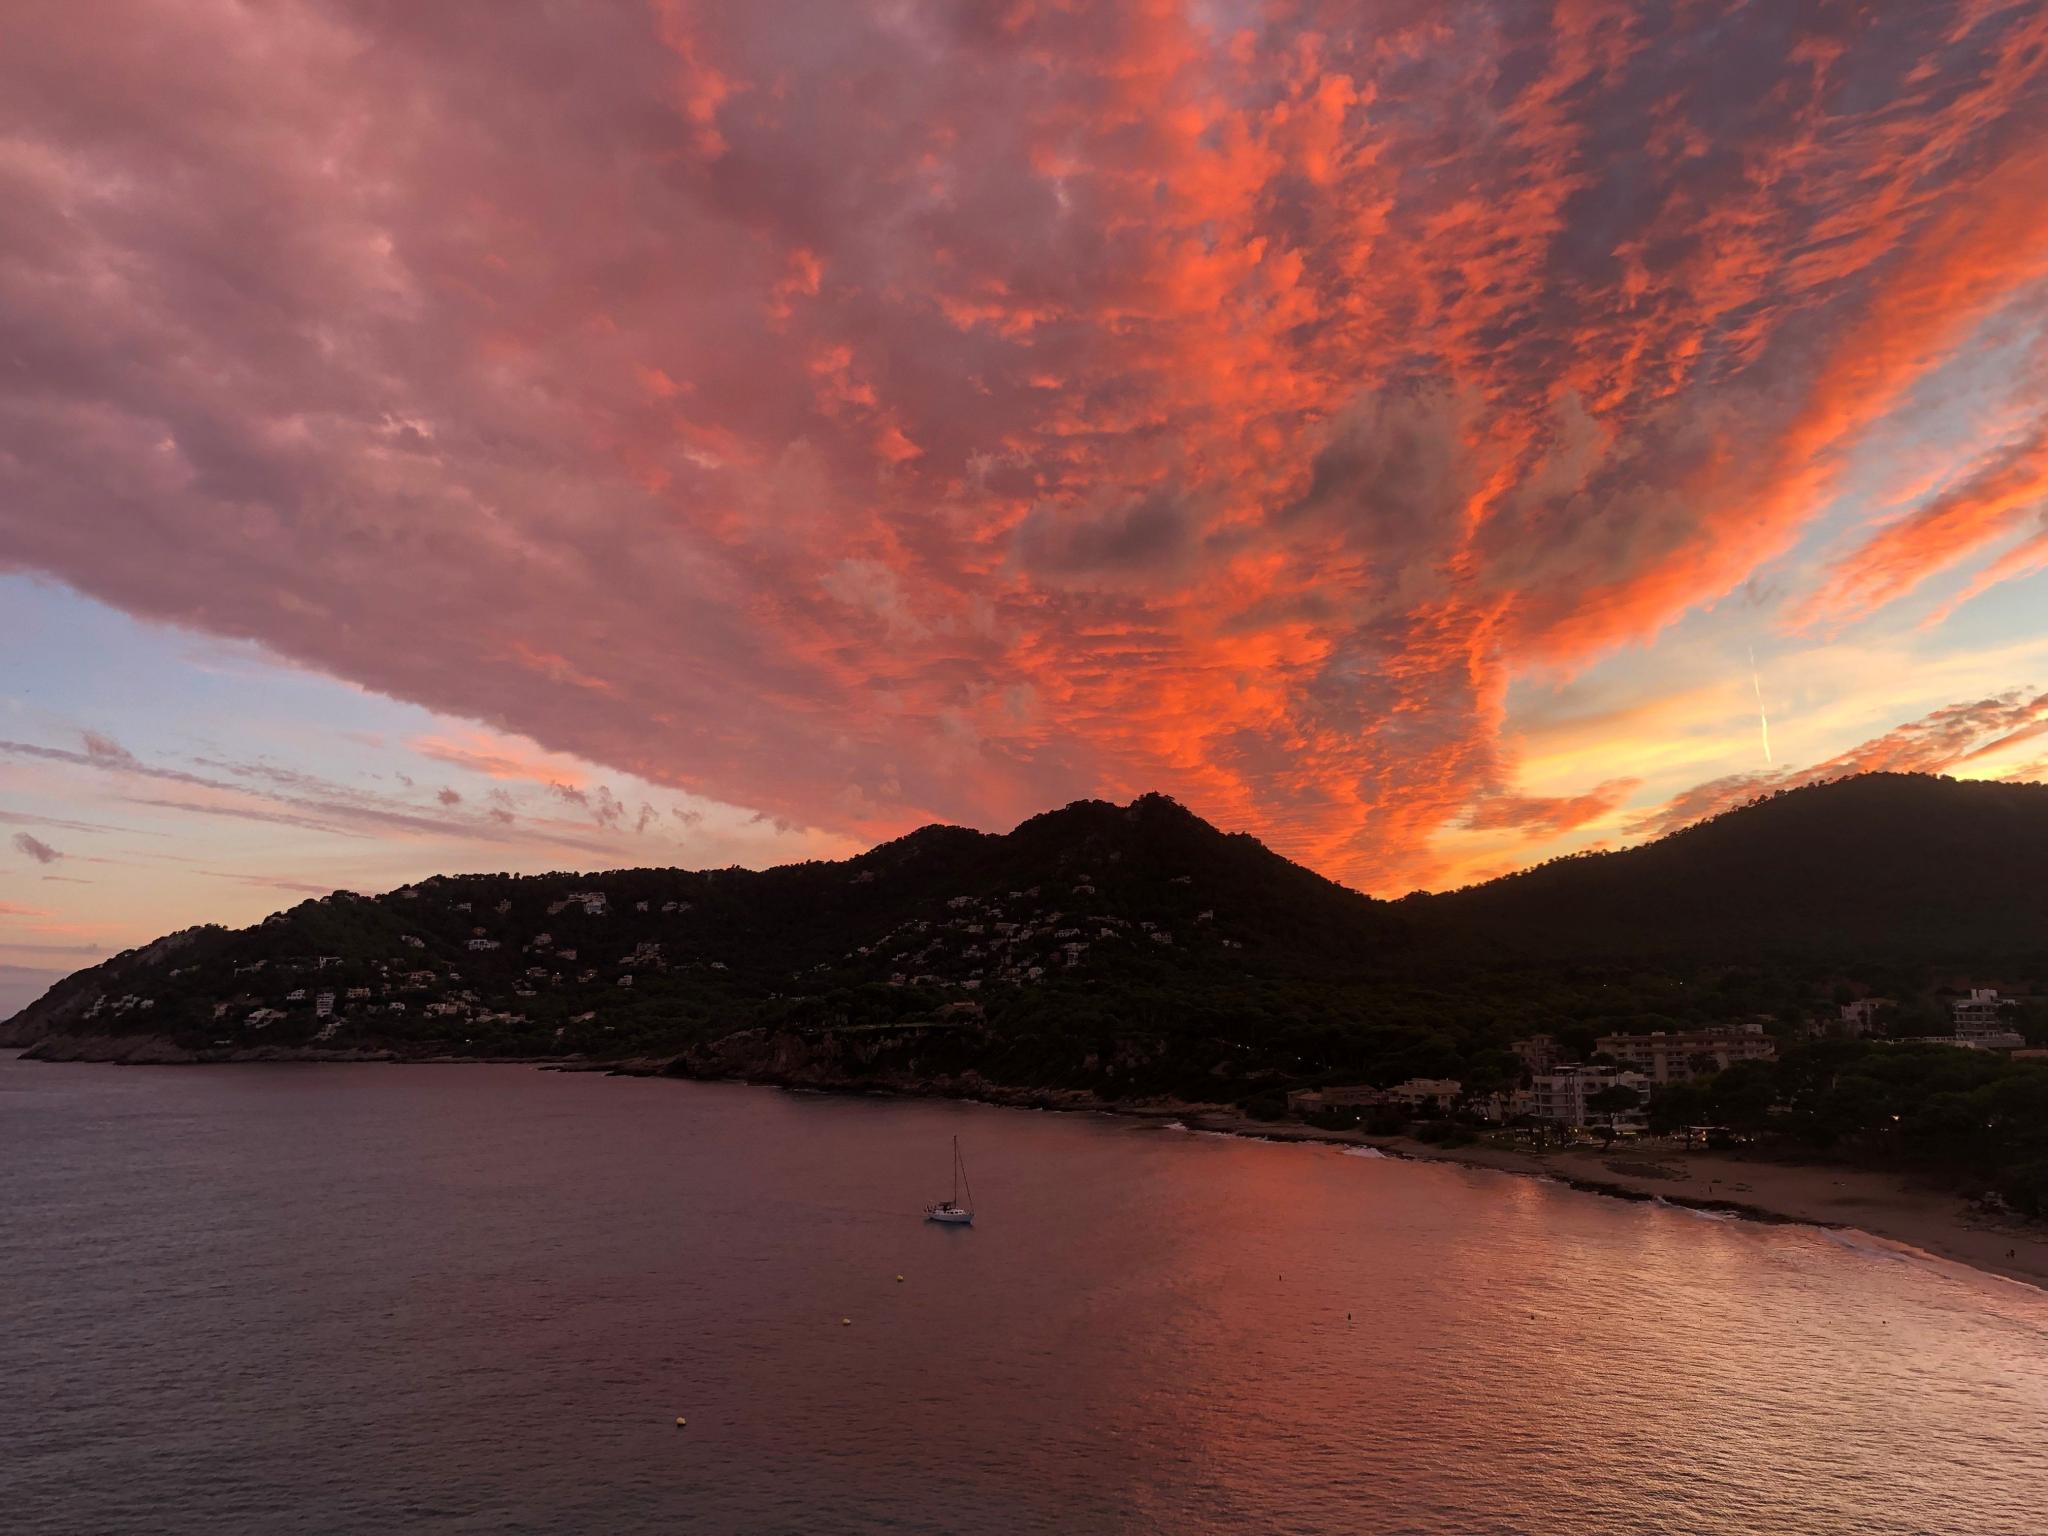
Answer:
(952, 1212)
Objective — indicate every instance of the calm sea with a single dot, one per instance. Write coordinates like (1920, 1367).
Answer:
(362, 1299)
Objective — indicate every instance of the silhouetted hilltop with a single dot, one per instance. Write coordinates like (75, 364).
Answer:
(575, 962)
(1119, 948)
(1898, 866)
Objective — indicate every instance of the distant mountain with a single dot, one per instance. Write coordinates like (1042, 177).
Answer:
(1120, 950)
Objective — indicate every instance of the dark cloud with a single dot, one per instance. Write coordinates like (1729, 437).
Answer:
(1393, 474)
(1152, 535)
(36, 848)
(104, 749)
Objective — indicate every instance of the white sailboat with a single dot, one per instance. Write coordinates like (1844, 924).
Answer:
(952, 1212)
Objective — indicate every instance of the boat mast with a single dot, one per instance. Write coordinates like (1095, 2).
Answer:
(960, 1176)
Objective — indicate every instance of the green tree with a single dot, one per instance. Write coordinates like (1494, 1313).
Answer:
(1744, 1095)
(1614, 1099)
(1676, 1105)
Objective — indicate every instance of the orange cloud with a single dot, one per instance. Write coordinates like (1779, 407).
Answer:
(1547, 815)
(948, 414)
(498, 757)
(2006, 487)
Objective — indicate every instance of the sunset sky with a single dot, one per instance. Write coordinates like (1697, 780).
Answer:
(1431, 437)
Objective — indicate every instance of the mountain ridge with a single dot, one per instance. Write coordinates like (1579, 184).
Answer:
(1095, 924)
(1801, 848)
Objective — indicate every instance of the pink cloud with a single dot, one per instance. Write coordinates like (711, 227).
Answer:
(962, 409)
(496, 758)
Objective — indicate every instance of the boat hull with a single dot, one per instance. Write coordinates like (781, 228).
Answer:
(951, 1216)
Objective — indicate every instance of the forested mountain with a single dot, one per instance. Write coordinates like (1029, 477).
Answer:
(1120, 949)
(1094, 903)
(1876, 867)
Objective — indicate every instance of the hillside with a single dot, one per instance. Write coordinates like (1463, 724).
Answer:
(1873, 868)
(1076, 915)
(1114, 950)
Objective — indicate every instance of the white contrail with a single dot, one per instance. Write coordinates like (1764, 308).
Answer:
(1763, 719)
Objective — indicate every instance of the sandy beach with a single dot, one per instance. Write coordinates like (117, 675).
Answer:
(1885, 1205)
(1888, 1206)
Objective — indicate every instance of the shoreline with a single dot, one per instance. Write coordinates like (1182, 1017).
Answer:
(1888, 1206)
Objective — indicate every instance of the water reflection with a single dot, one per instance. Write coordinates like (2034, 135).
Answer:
(476, 1298)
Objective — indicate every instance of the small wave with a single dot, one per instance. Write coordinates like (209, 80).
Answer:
(1869, 1245)
(1362, 1152)
(1858, 1241)
(1242, 1134)
(1693, 1210)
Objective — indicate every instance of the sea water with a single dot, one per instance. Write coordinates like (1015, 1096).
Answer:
(375, 1298)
